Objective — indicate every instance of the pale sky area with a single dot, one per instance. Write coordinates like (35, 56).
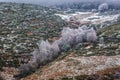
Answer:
(39, 1)
(54, 1)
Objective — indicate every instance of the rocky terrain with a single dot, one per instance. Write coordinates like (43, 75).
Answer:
(88, 61)
(21, 27)
(95, 18)
(73, 67)
(20, 32)
(85, 61)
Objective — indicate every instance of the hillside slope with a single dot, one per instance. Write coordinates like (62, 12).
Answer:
(86, 61)
(21, 27)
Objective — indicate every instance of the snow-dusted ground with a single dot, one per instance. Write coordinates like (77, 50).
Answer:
(73, 66)
(94, 18)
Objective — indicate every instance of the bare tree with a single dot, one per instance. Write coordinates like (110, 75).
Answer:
(68, 36)
(103, 7)
(91, 35)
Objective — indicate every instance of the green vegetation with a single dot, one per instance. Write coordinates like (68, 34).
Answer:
(111, 43)
(22, 26)
(109, 30)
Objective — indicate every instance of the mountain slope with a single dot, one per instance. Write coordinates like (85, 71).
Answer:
(88, 61)
(21, 27)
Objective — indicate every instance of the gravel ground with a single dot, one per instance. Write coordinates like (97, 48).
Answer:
(76, 66)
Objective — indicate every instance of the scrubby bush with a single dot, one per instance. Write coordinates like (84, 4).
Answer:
(91, 35)
(26, 69)
(101, 40)
(75, 36)
(65, 48)
(46, 52)
(55, 49)
(68, 36)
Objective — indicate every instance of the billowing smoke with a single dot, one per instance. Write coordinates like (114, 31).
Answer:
(47, 51)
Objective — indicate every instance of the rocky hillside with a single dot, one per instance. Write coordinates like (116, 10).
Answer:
(86, 61)
(22, 26)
